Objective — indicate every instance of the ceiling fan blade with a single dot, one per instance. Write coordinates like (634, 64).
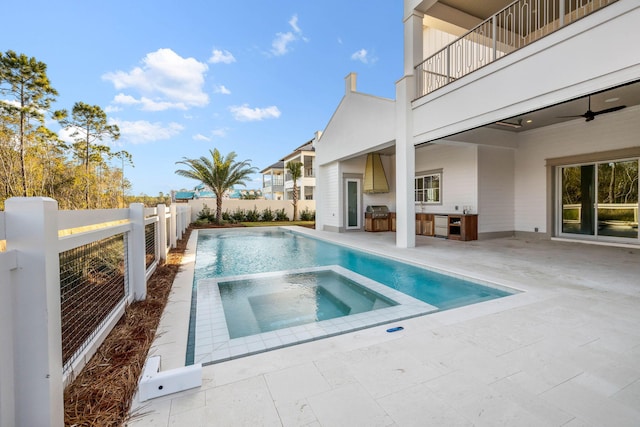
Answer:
(571, 117)
(609, 110)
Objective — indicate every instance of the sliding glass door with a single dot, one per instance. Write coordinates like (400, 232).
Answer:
(600, 199)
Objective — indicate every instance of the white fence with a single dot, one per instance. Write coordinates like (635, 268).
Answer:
(65, 279)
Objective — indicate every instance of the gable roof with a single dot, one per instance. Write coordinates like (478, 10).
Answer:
(277, 165)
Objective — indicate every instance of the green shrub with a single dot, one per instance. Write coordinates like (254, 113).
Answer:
(206, 215)
(281, 215)
(307, 215)
(267, 215)
(238, 215)
(226, 216)
(252, 215)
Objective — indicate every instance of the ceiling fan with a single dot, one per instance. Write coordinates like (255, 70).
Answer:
(590, 115)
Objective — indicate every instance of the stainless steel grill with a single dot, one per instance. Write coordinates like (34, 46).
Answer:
(378, 211)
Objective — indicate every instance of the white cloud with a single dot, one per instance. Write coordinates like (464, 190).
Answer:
(147, 104)
(243, 113)
(142, 131)
(221, 133)
(201, 137)
(112, 109)
(294, 24)
(280, 45)
(363, 56)
(222, 89)
(165, 80)
(221, 56)
(65, 134)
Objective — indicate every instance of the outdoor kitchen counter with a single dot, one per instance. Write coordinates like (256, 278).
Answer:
(455, 226)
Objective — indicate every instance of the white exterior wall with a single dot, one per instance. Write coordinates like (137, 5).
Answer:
(362, 123)
(606, 132)
(496, 189)
(434, 40)
(572, 62)
(459, 176)
(328, 206)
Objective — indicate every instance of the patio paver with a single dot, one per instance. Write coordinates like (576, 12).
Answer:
(565, 352)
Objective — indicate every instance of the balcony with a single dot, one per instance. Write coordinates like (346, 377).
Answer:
(275, 182)
(514, 27)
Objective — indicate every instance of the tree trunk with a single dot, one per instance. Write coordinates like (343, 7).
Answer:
(295, 201)
(23, 169)
(86, 171)
(219, 208)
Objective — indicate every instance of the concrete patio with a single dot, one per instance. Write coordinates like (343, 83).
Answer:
(565, 352)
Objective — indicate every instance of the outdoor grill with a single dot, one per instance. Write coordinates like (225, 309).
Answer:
(378, 211)
(376, 218)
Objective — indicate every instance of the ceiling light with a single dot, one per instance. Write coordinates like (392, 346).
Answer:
(510, 124)
(529, 121)
(611, 100)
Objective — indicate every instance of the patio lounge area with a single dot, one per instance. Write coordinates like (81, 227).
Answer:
(565, 352)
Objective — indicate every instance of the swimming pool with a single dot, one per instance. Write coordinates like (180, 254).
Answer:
(253, 305)
(237, 255)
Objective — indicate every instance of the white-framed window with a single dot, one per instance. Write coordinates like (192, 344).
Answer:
(428, 187)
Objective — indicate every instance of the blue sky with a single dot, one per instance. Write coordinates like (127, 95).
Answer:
(180, 78)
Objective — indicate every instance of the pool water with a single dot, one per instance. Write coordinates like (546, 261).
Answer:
(261, 289)
(256, 305)
(236, 252)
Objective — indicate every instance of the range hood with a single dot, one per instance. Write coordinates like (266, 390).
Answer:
(375, 180)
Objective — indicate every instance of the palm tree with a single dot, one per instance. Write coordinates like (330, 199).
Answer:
(218, 173)
(295, 169)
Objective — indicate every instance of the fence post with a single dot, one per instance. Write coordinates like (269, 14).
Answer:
(161, 243)
(32, 231)
(172, 236)
(8, 262)
(137, 253)
(179, 223)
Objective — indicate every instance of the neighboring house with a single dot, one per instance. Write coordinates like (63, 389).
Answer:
(273, 181)
(494, 115)
(182, 196)
(200, 191)
(276, 180)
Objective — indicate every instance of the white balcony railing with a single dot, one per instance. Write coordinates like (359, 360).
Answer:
(517, 25)
(275, 182)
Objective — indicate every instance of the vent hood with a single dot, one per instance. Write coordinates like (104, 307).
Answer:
(375, 180)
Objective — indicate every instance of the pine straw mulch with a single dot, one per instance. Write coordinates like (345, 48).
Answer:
(102, 393)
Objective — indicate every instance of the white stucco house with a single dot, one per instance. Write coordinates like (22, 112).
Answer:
(276, 180)
(306, 155)
(526, 114)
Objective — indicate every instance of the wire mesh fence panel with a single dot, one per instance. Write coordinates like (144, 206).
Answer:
(92, 284)
(150, 243)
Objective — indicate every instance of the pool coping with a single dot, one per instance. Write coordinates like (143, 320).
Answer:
(213, 343)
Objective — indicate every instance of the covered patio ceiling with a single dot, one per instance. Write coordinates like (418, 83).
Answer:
(619, 97)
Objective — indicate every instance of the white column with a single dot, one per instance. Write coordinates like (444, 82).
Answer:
(413, 42)
(32, 231)
(405, 150)
(405, 166)
(137, 253)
